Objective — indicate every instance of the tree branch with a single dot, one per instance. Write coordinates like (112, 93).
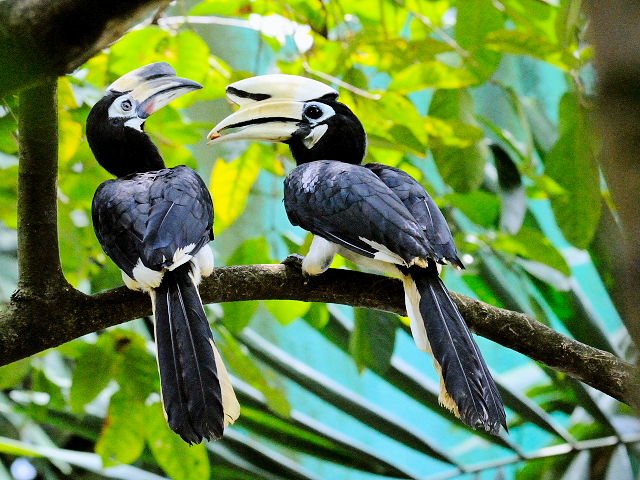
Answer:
(616, 35)
(48, 38)
(74, 314)
(39, 270)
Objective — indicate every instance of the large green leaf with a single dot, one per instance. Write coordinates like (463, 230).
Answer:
(571, 163)
(461, 168)
(122, 438)
(178, 459)
(476, 19)
(372, 339)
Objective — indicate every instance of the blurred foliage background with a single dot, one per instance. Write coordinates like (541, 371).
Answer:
(489, 105)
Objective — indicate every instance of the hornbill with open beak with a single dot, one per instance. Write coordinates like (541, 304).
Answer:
(375, 215)
(156, 223)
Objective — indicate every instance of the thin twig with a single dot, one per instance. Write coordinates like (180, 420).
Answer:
(342, 83)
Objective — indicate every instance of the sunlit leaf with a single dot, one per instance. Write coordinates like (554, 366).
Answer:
(431, 75)
(474, 22)
(230, 187)
(286, 311)
(13, 373)
(527, 43)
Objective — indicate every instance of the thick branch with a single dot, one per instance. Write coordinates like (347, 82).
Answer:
(76, 314)
(616, 34)
(39, 270)
(47, 38)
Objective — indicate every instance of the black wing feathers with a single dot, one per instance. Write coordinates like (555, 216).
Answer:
(423, 208)
(191, 392)
(345, 203)
(466, 376)
(150, 215)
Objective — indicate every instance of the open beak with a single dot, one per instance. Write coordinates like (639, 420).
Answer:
(153, 86)
(271, 107)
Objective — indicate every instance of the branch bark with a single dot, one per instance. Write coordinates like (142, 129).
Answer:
(39, 270)
(74, 314)
(49, 38)
(616, 34)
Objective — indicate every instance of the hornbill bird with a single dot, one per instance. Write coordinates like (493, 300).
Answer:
(374, 215)
(155, 223)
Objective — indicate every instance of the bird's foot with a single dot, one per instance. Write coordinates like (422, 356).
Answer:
(293, 260)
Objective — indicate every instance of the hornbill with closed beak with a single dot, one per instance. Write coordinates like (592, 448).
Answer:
(375, 215)
(156, 223)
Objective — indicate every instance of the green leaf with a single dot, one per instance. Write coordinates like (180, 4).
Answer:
(12, 374)
(241, 363)
(179, 460)
(474, 22)
(122, 438)
(70, 135)
(453, 133)
(531, 244)
(534, 16)
(230, 187)
(251, 251)
(373, 338)
(136, 371)
(237, 315)
(482, 208)
(286, 311)
(189, 55)
(572, 164)
(317, 315)
(461, 168)
(517, 42)
(220, 7)
(92, 373)
(431, 74)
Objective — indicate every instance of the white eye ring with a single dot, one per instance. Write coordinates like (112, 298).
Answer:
(126, 105)
(123, 107)
(316, 112)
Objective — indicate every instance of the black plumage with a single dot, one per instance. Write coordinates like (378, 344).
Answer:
(423, 210)
(375, 215)
(346, 203)
(349, 204)
(148, 216)
(155, 223)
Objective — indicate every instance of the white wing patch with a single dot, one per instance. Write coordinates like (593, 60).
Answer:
(383, 253)
(182, 256)
(146, 278)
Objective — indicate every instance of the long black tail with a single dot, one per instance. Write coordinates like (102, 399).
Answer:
(197, 396)
(466, 387)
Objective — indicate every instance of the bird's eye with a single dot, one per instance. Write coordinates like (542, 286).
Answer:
(313, 112)
(126, 105)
